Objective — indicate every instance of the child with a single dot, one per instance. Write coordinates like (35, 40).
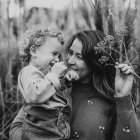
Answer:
(47, 94)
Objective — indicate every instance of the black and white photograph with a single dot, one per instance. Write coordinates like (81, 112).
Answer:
(69, 69)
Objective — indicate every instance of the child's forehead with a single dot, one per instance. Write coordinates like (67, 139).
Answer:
(54, 43)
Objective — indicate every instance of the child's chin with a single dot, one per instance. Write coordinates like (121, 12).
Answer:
(46, 69)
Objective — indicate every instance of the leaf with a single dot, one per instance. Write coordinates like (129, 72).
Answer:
(97, 14)
(84, 10)
(130, 17)
(111, 28)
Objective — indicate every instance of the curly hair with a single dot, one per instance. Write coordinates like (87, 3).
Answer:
(36, 36)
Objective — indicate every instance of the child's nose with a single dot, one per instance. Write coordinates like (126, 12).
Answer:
(56, 59)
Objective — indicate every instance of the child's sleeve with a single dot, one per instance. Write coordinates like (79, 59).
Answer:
(37, 88)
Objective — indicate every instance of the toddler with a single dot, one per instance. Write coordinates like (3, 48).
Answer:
(45, 85)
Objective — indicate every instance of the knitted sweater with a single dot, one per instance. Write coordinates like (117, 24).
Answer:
(93, 116)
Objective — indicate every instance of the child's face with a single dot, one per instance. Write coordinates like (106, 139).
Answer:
(49, 53)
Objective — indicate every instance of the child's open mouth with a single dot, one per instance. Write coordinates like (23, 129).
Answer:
(51, 64)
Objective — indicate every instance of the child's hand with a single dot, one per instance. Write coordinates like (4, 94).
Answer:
(72, 76)
(59, 69)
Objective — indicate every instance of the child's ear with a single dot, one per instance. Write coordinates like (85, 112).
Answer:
(33, 51)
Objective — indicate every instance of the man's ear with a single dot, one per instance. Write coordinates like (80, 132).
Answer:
(33, 51)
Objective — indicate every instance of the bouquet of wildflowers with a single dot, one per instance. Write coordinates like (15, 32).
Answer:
(110, 50)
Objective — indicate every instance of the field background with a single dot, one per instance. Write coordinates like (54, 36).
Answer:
(69, 16)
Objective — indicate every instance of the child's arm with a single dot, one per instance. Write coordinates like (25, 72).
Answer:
(37, 88)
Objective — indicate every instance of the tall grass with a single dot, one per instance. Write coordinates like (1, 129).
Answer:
(10, 99)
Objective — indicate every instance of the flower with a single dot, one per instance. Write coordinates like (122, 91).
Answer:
(107, 51)
(103, 59)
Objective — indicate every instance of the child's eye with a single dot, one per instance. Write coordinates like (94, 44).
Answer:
(54, 53)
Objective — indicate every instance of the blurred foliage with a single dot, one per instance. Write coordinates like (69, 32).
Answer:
(87, 15)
